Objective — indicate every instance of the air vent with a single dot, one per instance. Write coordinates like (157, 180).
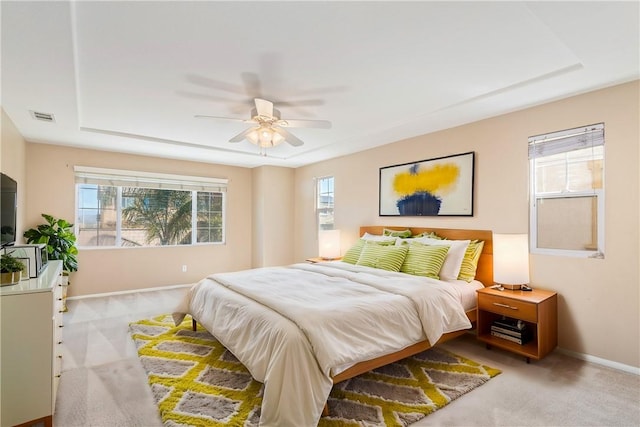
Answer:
(45, 117)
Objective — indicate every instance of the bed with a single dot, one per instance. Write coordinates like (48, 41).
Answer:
(299, 329)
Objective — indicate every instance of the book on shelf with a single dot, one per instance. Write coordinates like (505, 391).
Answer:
(516, 333)
(508, 337)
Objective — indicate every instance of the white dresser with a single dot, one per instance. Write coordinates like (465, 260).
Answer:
(31, 337)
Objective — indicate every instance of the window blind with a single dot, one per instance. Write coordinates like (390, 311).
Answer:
(566, 140)
(125, 178)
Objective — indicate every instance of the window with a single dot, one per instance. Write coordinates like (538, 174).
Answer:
(324, 203)
(566, 174)
(123, 208)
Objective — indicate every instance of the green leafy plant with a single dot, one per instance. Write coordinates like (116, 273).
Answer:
(9, 264)
(58, 235)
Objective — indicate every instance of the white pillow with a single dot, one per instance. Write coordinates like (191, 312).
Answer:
(378, 238)
(452, 263)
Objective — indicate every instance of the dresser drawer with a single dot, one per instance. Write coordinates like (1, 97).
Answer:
(509, 307)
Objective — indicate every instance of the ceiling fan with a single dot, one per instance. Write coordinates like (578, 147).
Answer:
(268, 126)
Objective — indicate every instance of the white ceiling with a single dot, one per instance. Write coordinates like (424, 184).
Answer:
(130, 76)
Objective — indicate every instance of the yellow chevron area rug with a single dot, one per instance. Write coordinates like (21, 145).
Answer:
(196, 382)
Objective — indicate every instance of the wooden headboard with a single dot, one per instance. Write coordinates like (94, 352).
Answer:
(485, 265)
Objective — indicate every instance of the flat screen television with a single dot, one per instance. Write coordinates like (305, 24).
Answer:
(8, 208)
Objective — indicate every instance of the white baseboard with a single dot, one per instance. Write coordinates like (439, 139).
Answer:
(600, 361)
(134, 291)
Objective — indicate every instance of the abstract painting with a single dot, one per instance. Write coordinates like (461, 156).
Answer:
(436, 187)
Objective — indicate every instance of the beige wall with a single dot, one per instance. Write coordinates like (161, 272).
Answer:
(273, 208)
(12, 163)
(599, 300)
(51, 190)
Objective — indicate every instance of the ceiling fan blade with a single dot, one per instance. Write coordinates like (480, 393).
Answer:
(233, 119)
(242, 135)
(264, 107)
(297, 123)
(289, 137)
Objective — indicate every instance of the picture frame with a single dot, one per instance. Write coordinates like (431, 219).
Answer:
(442, 186)
(25, 268)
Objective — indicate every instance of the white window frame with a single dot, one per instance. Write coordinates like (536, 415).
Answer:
(126, 178)
(318, 182)
(565, 141)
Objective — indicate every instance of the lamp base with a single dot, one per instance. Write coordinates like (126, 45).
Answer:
(511, 287)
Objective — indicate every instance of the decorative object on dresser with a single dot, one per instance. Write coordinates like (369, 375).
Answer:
(31, 334)
(10, 270)
(57, 234)
(436, 187)
(535, 312)
(36, 257)
(196, 381)
(511, 261)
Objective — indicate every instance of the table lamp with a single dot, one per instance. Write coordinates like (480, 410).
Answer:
(329, 244)
(511, 260)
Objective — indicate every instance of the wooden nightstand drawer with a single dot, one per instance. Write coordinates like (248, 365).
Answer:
(509, 307)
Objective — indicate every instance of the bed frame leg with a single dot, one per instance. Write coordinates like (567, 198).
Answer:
(194, 324)
(325, 410)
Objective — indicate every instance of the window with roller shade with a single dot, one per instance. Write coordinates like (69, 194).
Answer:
(566, 178)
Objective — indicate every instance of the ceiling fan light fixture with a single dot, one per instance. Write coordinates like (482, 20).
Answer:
(265, 137)
(268, 127)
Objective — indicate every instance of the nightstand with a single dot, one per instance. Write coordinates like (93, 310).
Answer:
(313, 260)
(538, 309)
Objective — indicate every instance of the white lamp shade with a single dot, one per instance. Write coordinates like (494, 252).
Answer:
(511, 259)
(329, 244)
(264, 137)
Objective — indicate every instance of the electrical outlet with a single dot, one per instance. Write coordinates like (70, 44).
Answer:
(184, 268)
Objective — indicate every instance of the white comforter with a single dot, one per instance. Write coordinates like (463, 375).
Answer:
(292, 327)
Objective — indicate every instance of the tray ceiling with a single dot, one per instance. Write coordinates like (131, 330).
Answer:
(130, 76)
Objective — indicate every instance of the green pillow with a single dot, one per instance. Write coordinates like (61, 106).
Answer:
(353, 254)
(470, 261)
(431, 235)
(396, 233)
(382, 256)
(424, 260)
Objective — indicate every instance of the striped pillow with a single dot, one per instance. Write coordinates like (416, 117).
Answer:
(425, 260)
(353, 254)
(396, 233)
(451, 267)
(470, 261)
(382, 256)
(430, 234)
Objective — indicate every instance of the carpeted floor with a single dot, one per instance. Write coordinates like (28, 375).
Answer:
(196, 381)
(103, 383)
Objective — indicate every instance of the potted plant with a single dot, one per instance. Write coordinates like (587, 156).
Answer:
(58, 235)
(10, 270)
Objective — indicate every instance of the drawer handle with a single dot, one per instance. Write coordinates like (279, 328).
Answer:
(60, 326)
(59, 342)
(58, 376)
(59, 299)
(505, 305)
(60, 356)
